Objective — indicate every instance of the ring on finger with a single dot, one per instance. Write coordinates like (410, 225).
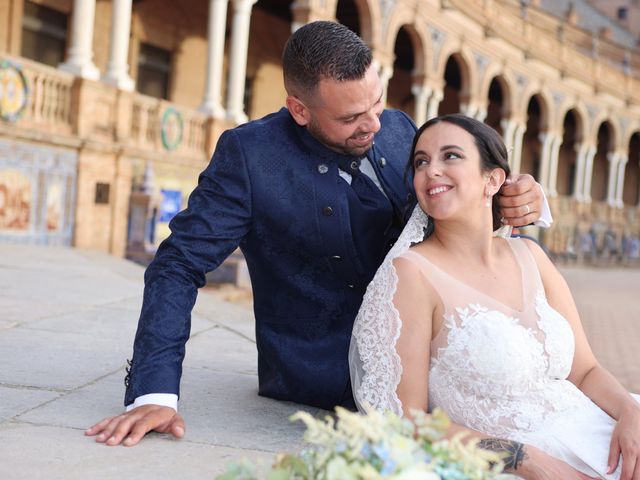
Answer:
(528, 209)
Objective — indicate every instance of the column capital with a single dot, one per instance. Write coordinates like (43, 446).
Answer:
(243, 5)
(420, 90)
(613, 157)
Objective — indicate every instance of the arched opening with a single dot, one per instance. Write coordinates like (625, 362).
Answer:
(497, 108)
(347, 13)
(631, 191)
(453, 88)
(600, 172)
(270, 28)
(531, 159)
(568, 155)
(399, 89)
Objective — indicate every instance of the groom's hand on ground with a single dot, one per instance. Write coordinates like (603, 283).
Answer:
(520, 201)
(131, 426)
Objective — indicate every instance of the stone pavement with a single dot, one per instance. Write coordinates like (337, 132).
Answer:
(67, 320)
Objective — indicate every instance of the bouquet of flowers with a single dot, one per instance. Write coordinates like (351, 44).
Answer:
(378, 446)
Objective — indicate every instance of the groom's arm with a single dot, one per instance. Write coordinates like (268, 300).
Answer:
(217, 218)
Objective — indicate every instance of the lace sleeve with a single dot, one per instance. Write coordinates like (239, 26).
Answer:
(373, 361)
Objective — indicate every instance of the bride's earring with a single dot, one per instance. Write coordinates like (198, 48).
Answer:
(488, 197)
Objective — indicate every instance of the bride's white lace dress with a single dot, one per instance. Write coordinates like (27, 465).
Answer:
(495, 368)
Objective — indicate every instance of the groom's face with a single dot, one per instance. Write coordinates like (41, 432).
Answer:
(345, 116)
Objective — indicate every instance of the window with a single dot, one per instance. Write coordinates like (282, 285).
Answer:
(44, 34)
(102, 193)
(623, 13)
(154, 68)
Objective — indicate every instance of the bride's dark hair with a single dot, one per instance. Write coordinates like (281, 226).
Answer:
(493, 153)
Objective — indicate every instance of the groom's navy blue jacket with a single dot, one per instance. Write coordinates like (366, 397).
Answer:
(276, 192)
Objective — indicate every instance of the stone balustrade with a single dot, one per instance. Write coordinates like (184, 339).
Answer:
(50, 93)
(157, 124)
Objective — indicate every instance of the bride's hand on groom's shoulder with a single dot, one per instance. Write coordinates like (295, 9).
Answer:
(625, 441)
(129, 427)
(538, 465)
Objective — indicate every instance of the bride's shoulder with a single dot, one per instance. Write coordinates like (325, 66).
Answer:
(542, 260)
(532, 246)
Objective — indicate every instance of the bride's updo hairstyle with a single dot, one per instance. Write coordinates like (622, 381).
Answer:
(493, 153)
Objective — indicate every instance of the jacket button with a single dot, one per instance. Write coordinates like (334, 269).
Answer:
(322, 168)
(336, 257)
(327, 211)
(383, 162)
(350, 285)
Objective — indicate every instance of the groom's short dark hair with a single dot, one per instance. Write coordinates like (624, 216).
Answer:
(320, 50)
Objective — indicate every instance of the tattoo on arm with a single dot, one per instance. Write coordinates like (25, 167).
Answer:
(513, 453)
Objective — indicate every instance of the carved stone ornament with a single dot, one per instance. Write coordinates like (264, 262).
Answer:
(14, 91)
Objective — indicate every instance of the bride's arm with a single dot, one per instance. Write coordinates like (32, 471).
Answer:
(590, 377)
(418, 304)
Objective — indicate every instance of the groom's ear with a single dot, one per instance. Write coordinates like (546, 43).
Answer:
(298, 110)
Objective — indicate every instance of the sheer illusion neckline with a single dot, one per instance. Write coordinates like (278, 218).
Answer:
(523, 306)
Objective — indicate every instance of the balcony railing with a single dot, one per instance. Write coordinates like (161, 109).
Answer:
(157, 124)
(49, 99)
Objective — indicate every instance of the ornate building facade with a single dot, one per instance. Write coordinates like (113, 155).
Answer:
(110, 108)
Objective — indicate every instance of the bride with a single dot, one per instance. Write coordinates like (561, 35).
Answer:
(485, 327)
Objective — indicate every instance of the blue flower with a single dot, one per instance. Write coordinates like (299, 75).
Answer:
(388, 463)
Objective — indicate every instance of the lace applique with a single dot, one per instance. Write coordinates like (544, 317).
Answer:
(496, 376)
(490, 358)
(559, 342)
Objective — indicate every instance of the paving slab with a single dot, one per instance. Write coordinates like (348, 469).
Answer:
(41, 451)
(225, 409)
(17, 400)
(223, 350)
(40, 358)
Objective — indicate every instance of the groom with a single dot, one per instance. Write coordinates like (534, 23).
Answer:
(314, 204)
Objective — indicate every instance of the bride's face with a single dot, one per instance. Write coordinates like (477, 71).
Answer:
(448, 180)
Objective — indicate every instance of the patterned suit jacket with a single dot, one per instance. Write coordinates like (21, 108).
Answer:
(275, 191)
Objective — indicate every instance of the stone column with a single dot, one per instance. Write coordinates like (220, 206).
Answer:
(469, 109)
(80, 55)
(118, 68)
(546, 138)
(518, 136)
(434, 103)
(588, 173)
(581, 150)
(385, 74)
(553, 166)
(301, 13)
(614, 160)
(212, 101)
(238, 60)
(481, 114)
(623, 158)
(508, 127)
(421, 94)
